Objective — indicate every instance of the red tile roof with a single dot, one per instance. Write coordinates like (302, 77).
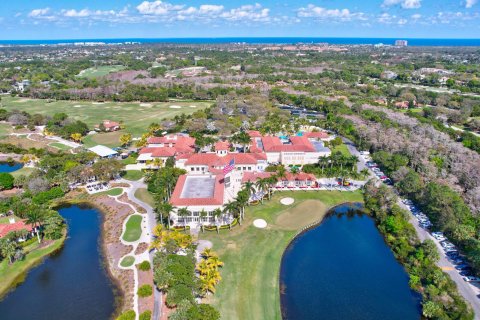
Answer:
(212, 159)
(254, 134)
(10, 227)
(216, 200)
(254, 176)
(222, 145)
(317, 135)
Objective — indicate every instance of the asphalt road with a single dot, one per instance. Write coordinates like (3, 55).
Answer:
(470, 291)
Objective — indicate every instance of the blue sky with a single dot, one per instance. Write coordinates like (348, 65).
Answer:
(62, 19)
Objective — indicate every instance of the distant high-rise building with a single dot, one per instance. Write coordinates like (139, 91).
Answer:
(401, 43)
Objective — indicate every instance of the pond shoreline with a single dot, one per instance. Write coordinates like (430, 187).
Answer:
(360, 237)
(118, 288)
(19, 277)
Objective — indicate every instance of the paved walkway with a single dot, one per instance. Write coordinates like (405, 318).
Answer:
(147, 236)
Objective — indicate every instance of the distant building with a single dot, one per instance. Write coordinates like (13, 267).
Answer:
(103, 152)
(16, 226)
(388, 75)
(401, 43)
(109, 126)
(22, 85)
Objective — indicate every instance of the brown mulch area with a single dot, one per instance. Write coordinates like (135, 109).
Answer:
(10, 193)
(22, 142)
(142, 247)
(147, 303)
(119, 185)
(165, 310)
(124, 198)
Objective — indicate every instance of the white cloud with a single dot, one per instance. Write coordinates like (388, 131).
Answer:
(247, 12)
(406, 4)
(210, 8)
(416, 16)
(157, 8)
(39, 12)
(470, 3)
(402, 21)
(312, 11)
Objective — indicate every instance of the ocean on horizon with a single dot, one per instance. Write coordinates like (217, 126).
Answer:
(266, 40)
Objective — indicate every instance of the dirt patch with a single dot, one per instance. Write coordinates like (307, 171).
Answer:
(142, 247)
(301, 215)
(119, 185)
(124, 198)
(147, 303)
(35, 141)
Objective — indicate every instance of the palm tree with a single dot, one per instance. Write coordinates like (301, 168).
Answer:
(35, 218)
(157, 162)
(8, 249)
(231, 208)
(364, 172)
(242, 201)
(262, 184)
(216, 214)
(164, 209)
(203, 215)
(183, 212)
(250, 188)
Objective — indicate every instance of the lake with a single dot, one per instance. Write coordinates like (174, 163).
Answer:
(71, 284)
(342, 269)
(10, 167)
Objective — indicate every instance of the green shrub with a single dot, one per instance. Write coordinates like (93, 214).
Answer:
(144, 265)
(127, 315)
(147, 315)
(44, 197)
(145, 291)
(6, 181)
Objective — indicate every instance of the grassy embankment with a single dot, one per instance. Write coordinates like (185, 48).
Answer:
(143, 195)
(16, 272)
(133, 175)
(250, 286)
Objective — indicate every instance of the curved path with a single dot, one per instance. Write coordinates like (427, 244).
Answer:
(149, 223)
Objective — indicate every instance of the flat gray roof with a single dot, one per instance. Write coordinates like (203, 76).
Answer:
(319, 146)
(198, 187)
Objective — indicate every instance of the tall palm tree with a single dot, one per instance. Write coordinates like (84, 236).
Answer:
(242, 201)
(262, 184)
(165, 209)
(35, 218)
(216, 214)
(231, 208)
(8, 249)
(183, 212)
(250, 188)
(203, 215)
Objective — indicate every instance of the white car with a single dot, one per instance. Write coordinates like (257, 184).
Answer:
(471, 279)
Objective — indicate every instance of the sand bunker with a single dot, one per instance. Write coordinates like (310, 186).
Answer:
(287, 201)
(98, 102)
(77, 106)
(145, 104)
(193, 106)
(175, 107)
(260, 223)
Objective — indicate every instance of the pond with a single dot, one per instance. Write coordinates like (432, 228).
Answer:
(10, 166)
(71, 284)
(342, 269)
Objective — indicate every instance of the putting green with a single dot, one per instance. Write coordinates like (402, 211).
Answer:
(133, 229)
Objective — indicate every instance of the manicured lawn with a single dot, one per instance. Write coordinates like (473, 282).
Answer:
(136, 116)
(249, 288)
(60, 146)
(127, 261)
(109, 139)
(112, 192)
(130, 160)
(143, 195)
(133, 175)
(133, 228)
(25, 171)
(99, 71)
(5, 129)
(9, 274)
(343, 149)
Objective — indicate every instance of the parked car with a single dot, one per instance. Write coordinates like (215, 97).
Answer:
(471, 279)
